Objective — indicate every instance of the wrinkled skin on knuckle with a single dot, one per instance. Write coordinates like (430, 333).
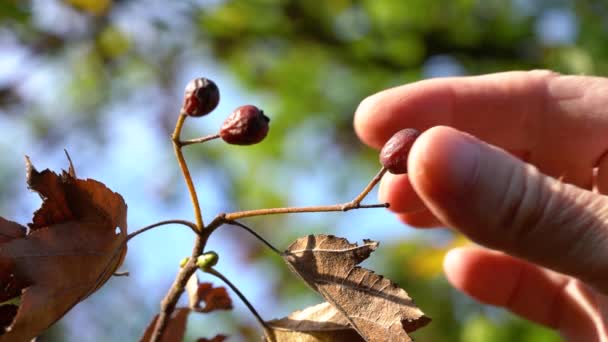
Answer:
(553, 223)
(523, 209)
(592, 243)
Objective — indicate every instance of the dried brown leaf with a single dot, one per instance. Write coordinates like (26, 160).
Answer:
(215, 298)
(75, 242)
(216, 338)
(319, 323)
(375, 306)
(175, 330)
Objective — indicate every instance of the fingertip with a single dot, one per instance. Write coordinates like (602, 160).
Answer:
(384, 188)
(420, 219)
(443, 164)
(419, 105)
(452, 263)
(366, 121)
(481, 274)
(398, 191)
(498, 279)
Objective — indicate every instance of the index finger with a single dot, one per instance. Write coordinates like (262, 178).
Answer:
(503, 103)
(558, 122)
(513, 110)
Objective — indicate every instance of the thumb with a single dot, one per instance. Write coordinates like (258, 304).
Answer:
(503, 203)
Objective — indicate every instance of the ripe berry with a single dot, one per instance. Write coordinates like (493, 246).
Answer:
(394, 154)
(201, 97)
(247, 125)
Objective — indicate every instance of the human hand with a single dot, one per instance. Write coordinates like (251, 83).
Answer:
(508, 159)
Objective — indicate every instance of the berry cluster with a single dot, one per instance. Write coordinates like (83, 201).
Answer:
(246, 125)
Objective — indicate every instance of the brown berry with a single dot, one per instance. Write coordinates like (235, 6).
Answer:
(246, 125)
(393, 155)
(201, 97)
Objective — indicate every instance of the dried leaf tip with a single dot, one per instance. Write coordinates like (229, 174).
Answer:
(29, 168)
(71, 170)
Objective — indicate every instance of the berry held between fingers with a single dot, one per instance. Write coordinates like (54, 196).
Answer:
(393, 155)
(201, 97)
(246, 125)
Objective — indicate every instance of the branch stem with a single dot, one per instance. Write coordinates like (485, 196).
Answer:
(199, 140)
(259, 318)
(177, 148)
(354, 204)
(368, 188)
(252, 232)
(188, 224)
(167, 305)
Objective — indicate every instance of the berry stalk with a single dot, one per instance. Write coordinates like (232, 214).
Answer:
(177, 148)
(354, 204)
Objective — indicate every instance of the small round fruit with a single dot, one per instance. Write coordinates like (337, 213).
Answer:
(393, 155)
(201, 97)
(246, 125)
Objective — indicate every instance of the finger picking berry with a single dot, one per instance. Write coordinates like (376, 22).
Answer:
(246, 125)
(394, 154)
(201, 97)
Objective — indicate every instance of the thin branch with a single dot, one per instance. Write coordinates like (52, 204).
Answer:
(188, 224)
(354, 204)
(177, 148)
(370, 186)
(167, 305)
(252, 232)
(214, 272)
(199, 140)
(293, 210)
(121, 274)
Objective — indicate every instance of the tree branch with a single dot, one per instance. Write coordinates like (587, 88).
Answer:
(354, 204)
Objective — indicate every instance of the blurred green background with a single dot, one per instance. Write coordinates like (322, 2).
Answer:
(104, 79)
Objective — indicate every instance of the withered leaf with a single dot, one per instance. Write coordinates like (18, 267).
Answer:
(175, 330)
(75, 242)
(216, 338)
(215, 298)
(374, 306)
(319, 323)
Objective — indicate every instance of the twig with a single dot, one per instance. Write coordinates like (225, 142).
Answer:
(121, 274)
(354, 204)
(177, 148)
(259, 318)
(252, 232)
(188, 224)
(167, 305)
(199, 140)
(370, 186)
